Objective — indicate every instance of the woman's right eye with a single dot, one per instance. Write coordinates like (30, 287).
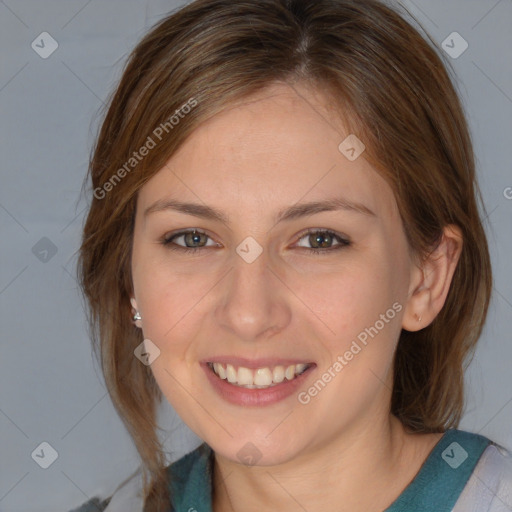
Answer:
(188, 237)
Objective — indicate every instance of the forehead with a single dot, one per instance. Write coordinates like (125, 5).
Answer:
(266, 152)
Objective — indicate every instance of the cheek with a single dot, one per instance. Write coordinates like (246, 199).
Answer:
(160, 290)
(348, 299)
(169, 304)
(359, 317)
(174, 306)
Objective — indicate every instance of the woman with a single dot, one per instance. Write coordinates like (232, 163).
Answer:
(284, 242)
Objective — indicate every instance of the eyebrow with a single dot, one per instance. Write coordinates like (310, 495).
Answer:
(287, 214)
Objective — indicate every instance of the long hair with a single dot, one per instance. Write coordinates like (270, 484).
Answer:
(388, 85)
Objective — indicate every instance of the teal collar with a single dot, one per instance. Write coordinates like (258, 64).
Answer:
(436, 487)
(444, 474)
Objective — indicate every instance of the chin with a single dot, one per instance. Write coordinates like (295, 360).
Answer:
(256, 450)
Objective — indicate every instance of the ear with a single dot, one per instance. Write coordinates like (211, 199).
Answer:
(135, 309)
(431, 281)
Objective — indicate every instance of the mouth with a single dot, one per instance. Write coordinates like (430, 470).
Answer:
(258, 378)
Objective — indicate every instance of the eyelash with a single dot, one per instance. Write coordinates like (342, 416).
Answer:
(343, 242)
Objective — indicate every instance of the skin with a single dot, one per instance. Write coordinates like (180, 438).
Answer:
(287, 303)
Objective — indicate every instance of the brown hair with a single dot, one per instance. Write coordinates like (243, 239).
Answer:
(389, 86)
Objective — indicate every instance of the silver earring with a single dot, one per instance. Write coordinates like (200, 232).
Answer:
(137, 316)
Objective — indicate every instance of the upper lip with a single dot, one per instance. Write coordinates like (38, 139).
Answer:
(263, 362)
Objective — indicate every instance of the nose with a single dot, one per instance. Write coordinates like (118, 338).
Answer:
(253, 303)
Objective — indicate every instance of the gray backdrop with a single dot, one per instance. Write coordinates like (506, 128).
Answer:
(50, 389)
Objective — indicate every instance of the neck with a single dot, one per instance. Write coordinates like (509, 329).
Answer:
(364, 469)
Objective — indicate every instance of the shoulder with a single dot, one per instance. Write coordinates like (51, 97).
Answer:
(93, 505)
(191, 463)
(188, 476)
(126, 498)
(489, 487)
(190, 479)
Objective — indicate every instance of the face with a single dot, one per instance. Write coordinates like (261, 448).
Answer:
(299, 307)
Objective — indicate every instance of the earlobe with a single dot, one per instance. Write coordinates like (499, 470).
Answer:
(136, 318)
(415, 314)
(432, 281)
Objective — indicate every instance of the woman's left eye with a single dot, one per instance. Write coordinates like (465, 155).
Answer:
(320, 240)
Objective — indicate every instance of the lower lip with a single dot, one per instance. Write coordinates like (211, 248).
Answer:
(254, 397)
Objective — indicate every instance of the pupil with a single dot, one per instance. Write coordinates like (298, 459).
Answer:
(196, 237)
(322, 240)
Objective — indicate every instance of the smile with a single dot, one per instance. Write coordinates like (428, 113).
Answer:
(257, 378)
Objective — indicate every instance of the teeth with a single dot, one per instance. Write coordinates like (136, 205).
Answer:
(299, 368)
(231, 374)
(219, 370)
(259, 378)
(278, 374)
(244, 376)
(262, 377)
